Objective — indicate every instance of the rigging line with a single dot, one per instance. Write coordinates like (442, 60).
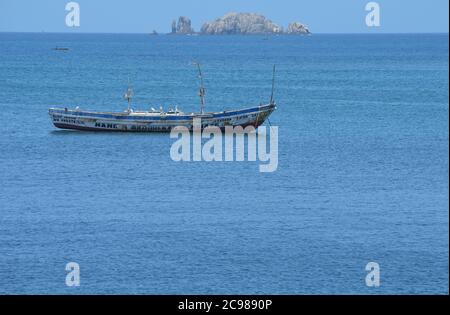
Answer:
(273, 84)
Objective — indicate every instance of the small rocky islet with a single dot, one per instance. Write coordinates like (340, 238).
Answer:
(238, 24)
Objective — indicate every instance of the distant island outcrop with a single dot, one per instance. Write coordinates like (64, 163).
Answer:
(297, 28)
(183, 27)
(238, 24)
(241, 23)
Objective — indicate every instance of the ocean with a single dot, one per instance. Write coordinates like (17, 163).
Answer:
(362, 173)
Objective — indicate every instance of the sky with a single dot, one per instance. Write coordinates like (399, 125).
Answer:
(144, 16)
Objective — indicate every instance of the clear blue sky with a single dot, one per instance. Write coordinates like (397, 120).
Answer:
(143, 16)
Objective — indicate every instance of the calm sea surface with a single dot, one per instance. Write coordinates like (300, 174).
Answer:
(362, 176)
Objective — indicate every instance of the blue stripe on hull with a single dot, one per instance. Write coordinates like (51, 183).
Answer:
(142, 129)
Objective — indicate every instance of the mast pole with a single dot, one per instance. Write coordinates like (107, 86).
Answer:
(202, 90)
(273, 85)
(129, 95)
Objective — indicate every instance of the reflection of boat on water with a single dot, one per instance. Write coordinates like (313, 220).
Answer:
(160, 120)
(61, 48)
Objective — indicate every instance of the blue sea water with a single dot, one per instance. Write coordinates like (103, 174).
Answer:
(362, 175)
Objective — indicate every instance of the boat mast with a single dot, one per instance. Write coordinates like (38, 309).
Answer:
(129, 95)
(273, 86)
(201, 91)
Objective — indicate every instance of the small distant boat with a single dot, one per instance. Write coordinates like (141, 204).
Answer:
(61, 48)
(159, 120)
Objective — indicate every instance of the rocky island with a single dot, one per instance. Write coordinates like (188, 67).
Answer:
(238, 24)
(183, 27)
(241, 23)
(297, 28)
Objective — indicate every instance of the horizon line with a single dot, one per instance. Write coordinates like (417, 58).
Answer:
(262, 34)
